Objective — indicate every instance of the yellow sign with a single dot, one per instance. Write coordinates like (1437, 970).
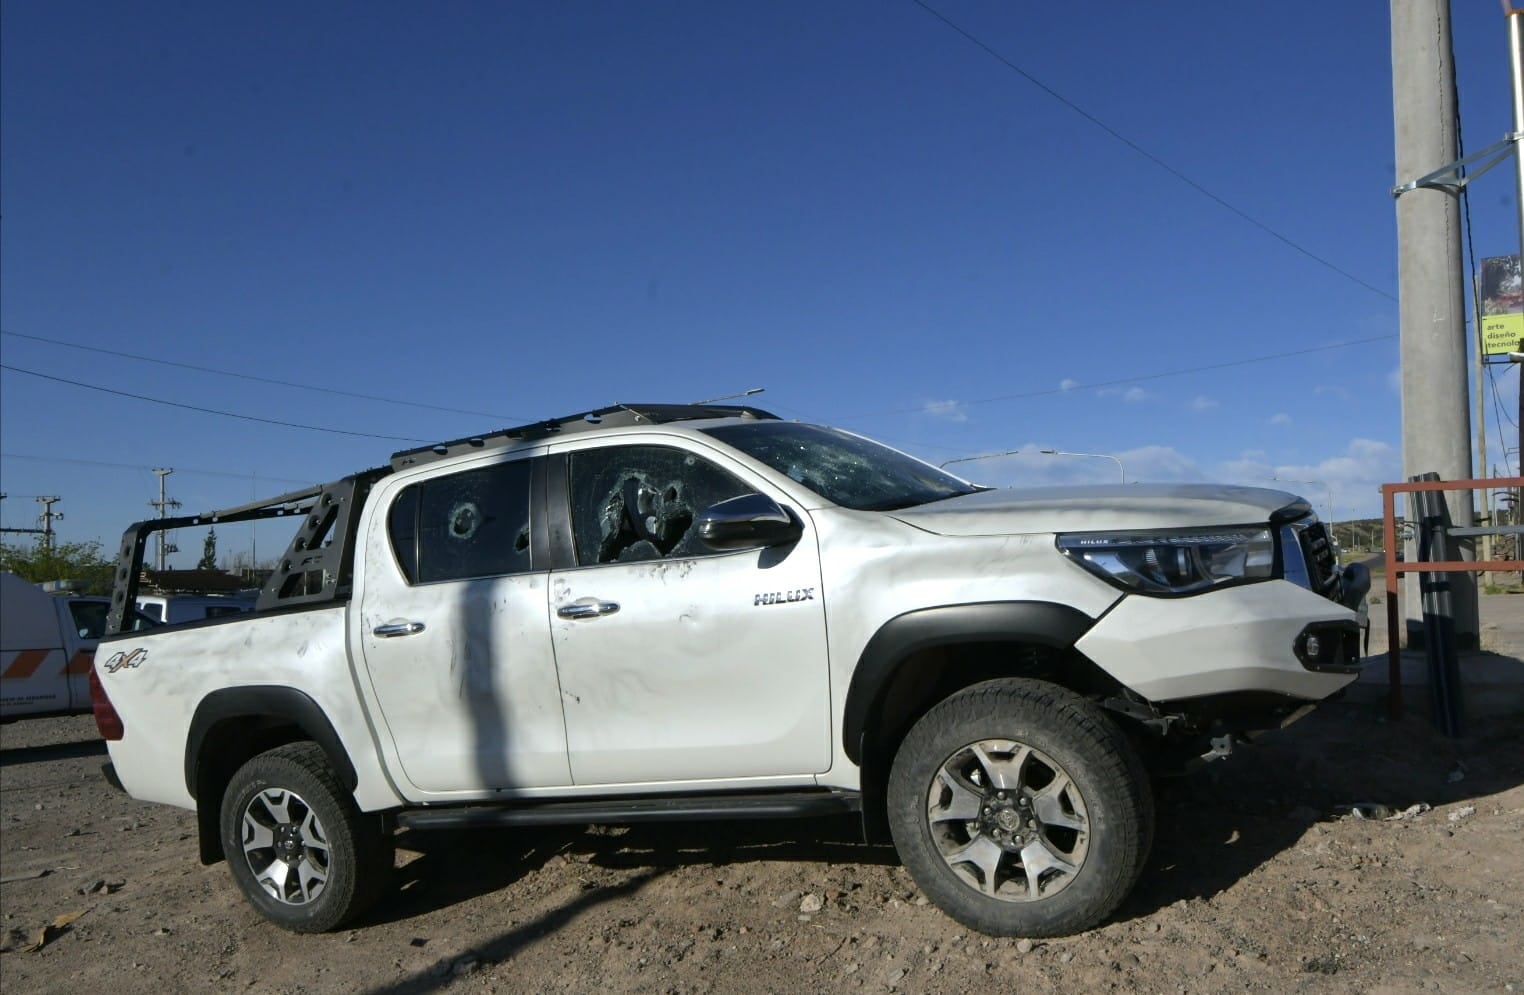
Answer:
(1501, 289)
(1501, 333)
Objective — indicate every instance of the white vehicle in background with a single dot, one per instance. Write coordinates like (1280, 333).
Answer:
(172, 609)
(47, 644)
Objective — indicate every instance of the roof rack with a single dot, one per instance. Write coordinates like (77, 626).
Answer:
(317, 565)
(616, 416)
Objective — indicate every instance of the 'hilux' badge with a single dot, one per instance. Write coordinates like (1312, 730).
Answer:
(784, 597)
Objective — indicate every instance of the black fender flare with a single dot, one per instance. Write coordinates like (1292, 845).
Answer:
(1045, 623)
(265, 702)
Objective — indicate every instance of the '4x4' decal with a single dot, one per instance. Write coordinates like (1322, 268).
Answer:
(123, 661)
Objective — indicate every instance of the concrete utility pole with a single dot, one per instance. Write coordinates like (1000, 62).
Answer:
(46, 518)
(1436, 427)
(164, 504)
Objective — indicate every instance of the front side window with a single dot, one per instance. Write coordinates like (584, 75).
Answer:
(469, 524)
(633, 503)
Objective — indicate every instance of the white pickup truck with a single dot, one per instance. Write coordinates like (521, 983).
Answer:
(684, 612)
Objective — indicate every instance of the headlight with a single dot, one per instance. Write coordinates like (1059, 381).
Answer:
(1176, 561)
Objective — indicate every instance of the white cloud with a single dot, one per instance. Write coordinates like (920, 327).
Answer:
(1281, 419)
(949, 410)
(1134, 395)
(1033, 468)
(1203, 403)
(1343, 486)
(1159, 463)
(1068, 384)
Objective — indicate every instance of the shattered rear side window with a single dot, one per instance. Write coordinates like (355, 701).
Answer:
(470, 524)
(633, 503)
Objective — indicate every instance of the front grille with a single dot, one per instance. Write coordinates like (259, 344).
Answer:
(1322, 564)
(1309, 557)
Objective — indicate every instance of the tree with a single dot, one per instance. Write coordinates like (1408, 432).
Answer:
(208, 559)
(81, 561)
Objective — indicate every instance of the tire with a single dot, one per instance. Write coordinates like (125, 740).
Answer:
(1020, 809)
(300, 851)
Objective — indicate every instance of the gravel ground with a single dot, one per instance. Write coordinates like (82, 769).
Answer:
(1261, 879)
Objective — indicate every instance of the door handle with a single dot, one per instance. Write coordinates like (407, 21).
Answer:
(391, 629)
(588, 608)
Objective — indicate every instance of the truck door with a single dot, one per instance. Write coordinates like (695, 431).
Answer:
(676, 662)
(453, 630)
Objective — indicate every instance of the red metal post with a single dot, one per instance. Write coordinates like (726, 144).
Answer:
(1394, 570)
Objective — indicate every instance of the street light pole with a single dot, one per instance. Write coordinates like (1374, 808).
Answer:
(1114, 459)
(1332, 518)
(970, 459)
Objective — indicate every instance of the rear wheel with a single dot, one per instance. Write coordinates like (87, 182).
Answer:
(1020, 809)
(300, 851)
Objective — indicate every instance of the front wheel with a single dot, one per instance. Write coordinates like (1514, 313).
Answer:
(1020, 809)
(300, 851)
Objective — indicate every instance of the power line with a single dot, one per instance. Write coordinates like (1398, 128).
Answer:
(254, 379)
(212, 411)
(1143, 378)
(145, 467)
(1502, 411)
(1140, 150)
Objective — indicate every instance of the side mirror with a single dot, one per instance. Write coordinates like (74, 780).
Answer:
(747, 522)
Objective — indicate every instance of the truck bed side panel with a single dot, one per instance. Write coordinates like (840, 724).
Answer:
(156, 680)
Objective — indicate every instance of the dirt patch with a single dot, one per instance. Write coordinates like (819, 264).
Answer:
(1262, 877)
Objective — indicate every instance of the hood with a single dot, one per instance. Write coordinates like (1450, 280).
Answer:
(1101, 509)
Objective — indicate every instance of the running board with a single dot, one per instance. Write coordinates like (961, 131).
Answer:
(620, 811)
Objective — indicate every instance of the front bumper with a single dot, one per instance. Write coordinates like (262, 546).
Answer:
(1240, 639)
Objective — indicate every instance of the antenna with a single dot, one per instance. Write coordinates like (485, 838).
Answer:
(731, 397)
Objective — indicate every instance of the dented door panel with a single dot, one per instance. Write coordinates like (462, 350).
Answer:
(456, 646)
(712, 666)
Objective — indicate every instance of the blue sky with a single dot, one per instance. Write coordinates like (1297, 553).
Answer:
(503, 212)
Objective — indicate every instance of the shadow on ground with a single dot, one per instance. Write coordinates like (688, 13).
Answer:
(453, 866)
(1216, 827)
(52, 751)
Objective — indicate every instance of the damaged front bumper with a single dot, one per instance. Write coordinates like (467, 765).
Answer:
(1275, 639)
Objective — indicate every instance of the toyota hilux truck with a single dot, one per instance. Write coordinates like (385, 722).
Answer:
(663, 612)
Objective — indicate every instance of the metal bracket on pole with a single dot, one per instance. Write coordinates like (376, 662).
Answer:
(1449, 178)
